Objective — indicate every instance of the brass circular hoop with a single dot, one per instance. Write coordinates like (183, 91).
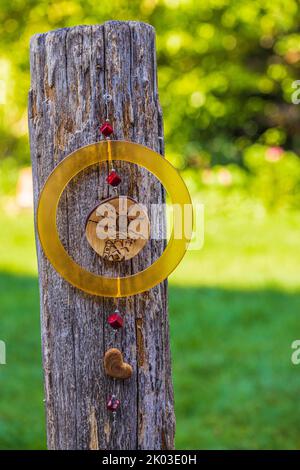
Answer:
(47, 209)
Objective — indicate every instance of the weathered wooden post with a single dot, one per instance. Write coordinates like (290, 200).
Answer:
(71, 69)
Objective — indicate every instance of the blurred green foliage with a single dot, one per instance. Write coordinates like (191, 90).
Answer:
(226, 69)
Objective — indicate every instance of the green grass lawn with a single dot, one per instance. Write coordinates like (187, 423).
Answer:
(234, 310)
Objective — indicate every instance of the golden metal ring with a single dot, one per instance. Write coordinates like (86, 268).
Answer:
(67, 169)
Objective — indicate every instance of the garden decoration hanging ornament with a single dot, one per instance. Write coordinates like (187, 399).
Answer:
(117, 230)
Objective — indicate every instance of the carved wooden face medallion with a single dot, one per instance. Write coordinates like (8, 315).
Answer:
(118, 228)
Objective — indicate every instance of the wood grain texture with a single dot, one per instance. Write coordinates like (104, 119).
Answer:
(70, 71)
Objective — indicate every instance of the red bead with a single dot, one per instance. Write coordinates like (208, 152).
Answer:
(113, 178)
(115, 321)
(106, 129)
(113, 404)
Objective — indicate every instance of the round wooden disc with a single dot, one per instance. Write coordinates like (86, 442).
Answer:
(118, 228)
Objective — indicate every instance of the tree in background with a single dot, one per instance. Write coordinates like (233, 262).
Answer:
(226, 69)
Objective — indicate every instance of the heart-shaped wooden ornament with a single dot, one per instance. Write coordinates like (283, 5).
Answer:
(115, 366)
